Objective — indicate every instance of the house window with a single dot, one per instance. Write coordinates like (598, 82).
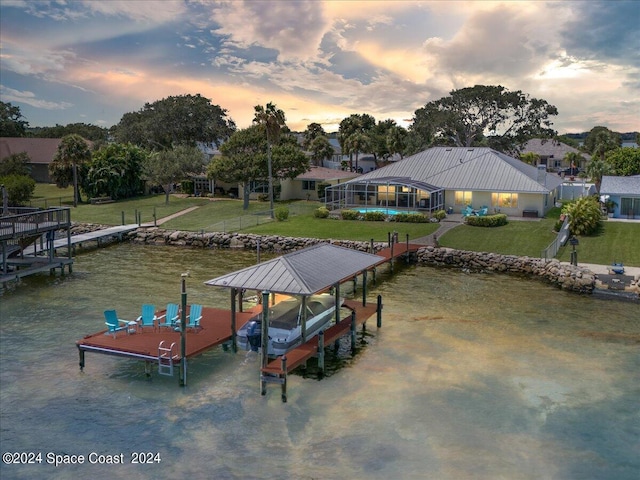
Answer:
(504, 200)
(309, 185)
(259, 187)
(462, 198)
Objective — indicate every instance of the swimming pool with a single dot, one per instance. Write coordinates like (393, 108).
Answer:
(388, 211)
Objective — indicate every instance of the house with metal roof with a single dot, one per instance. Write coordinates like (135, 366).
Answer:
(451, 178)
(625, 192)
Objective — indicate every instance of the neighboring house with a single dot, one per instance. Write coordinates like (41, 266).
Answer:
(625, 192)
(40, 150)
(552, 153)
(451, 178)
(305, 186)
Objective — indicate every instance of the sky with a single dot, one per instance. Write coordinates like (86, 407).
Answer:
(92, 61)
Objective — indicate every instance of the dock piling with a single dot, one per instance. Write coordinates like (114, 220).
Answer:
(81, 353)
(183, 333)
(321, 354)
(284, 379)
(353, 332)
(379, 312)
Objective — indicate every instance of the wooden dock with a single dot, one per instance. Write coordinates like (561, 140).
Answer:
(143, 343)
(97, 236)
(304, 352)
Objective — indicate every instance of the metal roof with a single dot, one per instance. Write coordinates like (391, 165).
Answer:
(627, 186)
(303, 272)
(462, 168)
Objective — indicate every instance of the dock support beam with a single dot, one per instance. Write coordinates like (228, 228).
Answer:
(284, 379)
(265, 339)
(81, 353)
(183, 333)
(353, 332)
(364, 288)
(234, 344)
(379, 312)
(321, 354)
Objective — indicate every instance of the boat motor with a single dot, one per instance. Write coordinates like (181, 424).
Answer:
(254, 335)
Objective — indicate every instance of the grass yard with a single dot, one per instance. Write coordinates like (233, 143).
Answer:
(311, 227)
(619, 241)
(515, 238)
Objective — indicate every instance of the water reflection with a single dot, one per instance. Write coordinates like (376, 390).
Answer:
(471, 376)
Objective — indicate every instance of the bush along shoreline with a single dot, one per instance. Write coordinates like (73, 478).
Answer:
(567, 277)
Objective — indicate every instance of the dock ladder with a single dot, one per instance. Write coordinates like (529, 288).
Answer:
(166, 358)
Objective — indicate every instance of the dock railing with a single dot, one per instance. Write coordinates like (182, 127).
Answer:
(29, 221)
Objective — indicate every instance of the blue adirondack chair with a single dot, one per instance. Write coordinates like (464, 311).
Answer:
(148, 317)
(195, 315)
(170, 317)
(114, 324)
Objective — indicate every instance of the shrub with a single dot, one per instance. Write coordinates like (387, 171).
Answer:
(409, 218)
(263, 197)
(350, 214)
(281, 213)
(322, 212)
(320, 188)
(187, 187)
(584, 215)
(20, 188)
(440, 215)
(496, 220)
(375, 216)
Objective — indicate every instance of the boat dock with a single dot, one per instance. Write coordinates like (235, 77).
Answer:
(315, 269)
(99, 236)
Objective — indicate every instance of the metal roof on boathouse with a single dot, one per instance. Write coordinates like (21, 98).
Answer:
(303, 272)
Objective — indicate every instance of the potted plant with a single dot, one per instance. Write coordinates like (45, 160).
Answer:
(611, 206)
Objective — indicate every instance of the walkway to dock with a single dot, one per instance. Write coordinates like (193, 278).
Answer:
(97, 235)
(304, 352)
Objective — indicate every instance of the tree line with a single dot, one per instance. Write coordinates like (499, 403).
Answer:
(161, 144)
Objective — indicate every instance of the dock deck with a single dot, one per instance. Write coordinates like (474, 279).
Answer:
(144, 342)
(301, 354)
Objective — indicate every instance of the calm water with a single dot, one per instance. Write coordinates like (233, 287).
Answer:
(470, 377)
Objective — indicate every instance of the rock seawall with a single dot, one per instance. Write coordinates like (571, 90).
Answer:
(268, 243)
(566, 277)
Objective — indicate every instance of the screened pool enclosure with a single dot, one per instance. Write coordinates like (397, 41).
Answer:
(399, 193)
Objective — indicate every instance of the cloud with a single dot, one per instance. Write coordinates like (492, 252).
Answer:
(294, 29)
(503, 42)
(11, 95)
(605, 31)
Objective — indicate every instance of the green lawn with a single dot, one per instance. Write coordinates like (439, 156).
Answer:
(311, 227)
(514, 238)
(617, 241)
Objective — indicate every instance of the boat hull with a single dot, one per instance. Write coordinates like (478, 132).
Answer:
(285, 329)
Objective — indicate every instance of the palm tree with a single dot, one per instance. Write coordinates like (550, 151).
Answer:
(596, 169)
(72, 152)
(272, 119)
(356, 143)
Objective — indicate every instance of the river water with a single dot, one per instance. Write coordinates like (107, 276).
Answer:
(471, 376)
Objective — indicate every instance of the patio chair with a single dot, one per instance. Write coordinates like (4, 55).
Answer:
(170, 316)
(617, 268)
(148, 317)
(466, 211)
(114, 324)
(194, 317)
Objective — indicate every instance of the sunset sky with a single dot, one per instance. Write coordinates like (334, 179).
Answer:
(319, 61)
